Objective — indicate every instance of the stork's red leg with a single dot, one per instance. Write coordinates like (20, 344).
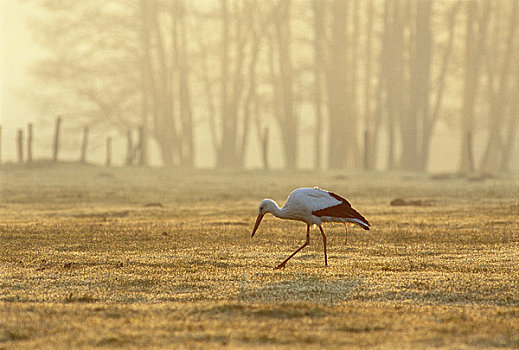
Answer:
(280, 266)
(324, 242)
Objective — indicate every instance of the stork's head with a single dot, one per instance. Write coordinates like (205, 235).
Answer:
(266, 206)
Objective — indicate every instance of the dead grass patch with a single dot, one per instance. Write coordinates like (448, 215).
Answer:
(84, 263)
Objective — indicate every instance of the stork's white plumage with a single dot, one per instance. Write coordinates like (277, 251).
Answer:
(313, 206)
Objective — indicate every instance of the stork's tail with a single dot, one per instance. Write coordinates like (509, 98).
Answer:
(355, 217)
(361, 222)
(344, 213)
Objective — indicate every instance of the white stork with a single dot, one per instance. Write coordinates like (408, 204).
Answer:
(312, 206)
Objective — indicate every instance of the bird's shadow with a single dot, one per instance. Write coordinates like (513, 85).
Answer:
(303, 288)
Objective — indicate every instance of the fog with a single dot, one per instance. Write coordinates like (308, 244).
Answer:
(308, 84)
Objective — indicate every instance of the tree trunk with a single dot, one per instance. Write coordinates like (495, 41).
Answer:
(166, 135)
(337, 87)
(474, 42)
(155, 77)
(149, 101)
(395, 76)
(510, 144)
(381, 95)
(319, 37)
(413, 123)
(494, 148)
(250, 90)
(429, 124)
(287, 119)
(226, 155)
(369, 151)
(186, 151)
(353, 159)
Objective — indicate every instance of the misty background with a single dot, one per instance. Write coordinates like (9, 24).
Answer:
(374, 84)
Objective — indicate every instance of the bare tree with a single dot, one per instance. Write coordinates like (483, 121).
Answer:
(282, 71)
(80, 66)
(500, 83)
(181, 54)
(395, 88)
(319, 8)
(512, 125)
(337, 87)
(369, 146)
(477, 18)
(240, 47)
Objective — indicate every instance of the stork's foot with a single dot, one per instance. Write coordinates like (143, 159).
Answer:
(280, 266)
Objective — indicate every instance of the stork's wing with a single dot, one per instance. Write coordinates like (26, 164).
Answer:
(326, 205)
(342, 210)
(311, 199)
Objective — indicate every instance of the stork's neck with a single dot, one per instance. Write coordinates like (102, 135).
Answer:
(274, 209)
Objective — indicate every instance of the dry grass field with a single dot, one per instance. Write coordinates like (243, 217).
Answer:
(162, 258)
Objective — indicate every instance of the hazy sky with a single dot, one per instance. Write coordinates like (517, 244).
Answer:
(17, 53)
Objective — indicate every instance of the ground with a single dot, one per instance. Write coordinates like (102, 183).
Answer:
(163, 258)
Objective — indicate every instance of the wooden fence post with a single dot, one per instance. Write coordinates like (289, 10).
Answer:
(29, 143)
(19, 145)
(55, 148)
(108, 161)
(84, 145)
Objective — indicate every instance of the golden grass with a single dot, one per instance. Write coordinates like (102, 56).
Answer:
(86, 263)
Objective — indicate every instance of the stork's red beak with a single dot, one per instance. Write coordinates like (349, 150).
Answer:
(256, 225)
